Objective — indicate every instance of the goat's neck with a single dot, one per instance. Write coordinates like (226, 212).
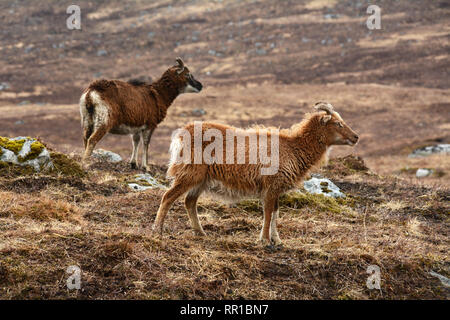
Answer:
(167, 90)
(311, 147)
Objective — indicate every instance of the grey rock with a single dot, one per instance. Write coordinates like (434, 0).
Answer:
(106, 155)
(150, 183)
(4, 85)
(429, 150)
(444, 280)
(323, 186)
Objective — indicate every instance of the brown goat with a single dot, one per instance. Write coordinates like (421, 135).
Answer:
(132, 107)
(300, 148)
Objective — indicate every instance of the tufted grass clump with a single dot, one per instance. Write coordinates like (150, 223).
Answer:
(10, 169)
(297, 200)
(66, 166)
(250, 205)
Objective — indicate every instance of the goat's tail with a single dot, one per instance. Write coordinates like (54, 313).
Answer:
(87, 116)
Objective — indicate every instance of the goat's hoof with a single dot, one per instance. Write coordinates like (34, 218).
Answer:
(279, 246)
(200, 233)
(133, 165)
(157, 230)
(277, 242)
(147, 169)
(265, 243)
(270, 247)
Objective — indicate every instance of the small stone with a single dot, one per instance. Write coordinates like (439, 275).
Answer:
(145, 181)
(261, 52)
(421, 173)
(28, 49)
(102, 53)
(429, 150)
(198, 112)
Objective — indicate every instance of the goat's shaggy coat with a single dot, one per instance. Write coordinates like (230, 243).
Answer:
(300, 148)
(132, 107)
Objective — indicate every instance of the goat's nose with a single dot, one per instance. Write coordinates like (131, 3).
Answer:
(356, 137)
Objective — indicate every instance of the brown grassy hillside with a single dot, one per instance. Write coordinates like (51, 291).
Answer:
(264, 62)
(96, 222)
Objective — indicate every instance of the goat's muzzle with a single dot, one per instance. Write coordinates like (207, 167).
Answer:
(353, 140)
(196, 84)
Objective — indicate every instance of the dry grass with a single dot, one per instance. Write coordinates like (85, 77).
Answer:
(328, 244)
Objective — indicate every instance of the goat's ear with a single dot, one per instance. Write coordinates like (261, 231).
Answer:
(325, 119)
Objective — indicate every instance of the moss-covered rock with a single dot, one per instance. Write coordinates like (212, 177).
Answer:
(141, 182)
(36, 149)
(24, 152)
(14, 145)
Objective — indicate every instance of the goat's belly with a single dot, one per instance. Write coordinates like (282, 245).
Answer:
(227, 194)
(125, 129)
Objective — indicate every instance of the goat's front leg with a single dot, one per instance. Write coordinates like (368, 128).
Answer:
(135, 139)
(270, 203)
(146, 135)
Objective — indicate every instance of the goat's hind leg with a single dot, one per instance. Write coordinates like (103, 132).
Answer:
(99, 132)
(178, 189)
(135, 139)
(273, 226)
(190, 203)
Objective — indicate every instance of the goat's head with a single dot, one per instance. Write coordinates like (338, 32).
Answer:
(337, 131)
(183, 77)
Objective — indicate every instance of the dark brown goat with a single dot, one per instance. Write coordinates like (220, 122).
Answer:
(133, 107)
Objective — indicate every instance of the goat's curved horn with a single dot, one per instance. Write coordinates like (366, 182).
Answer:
(180, 65)
(324, 106)
(180, 62)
